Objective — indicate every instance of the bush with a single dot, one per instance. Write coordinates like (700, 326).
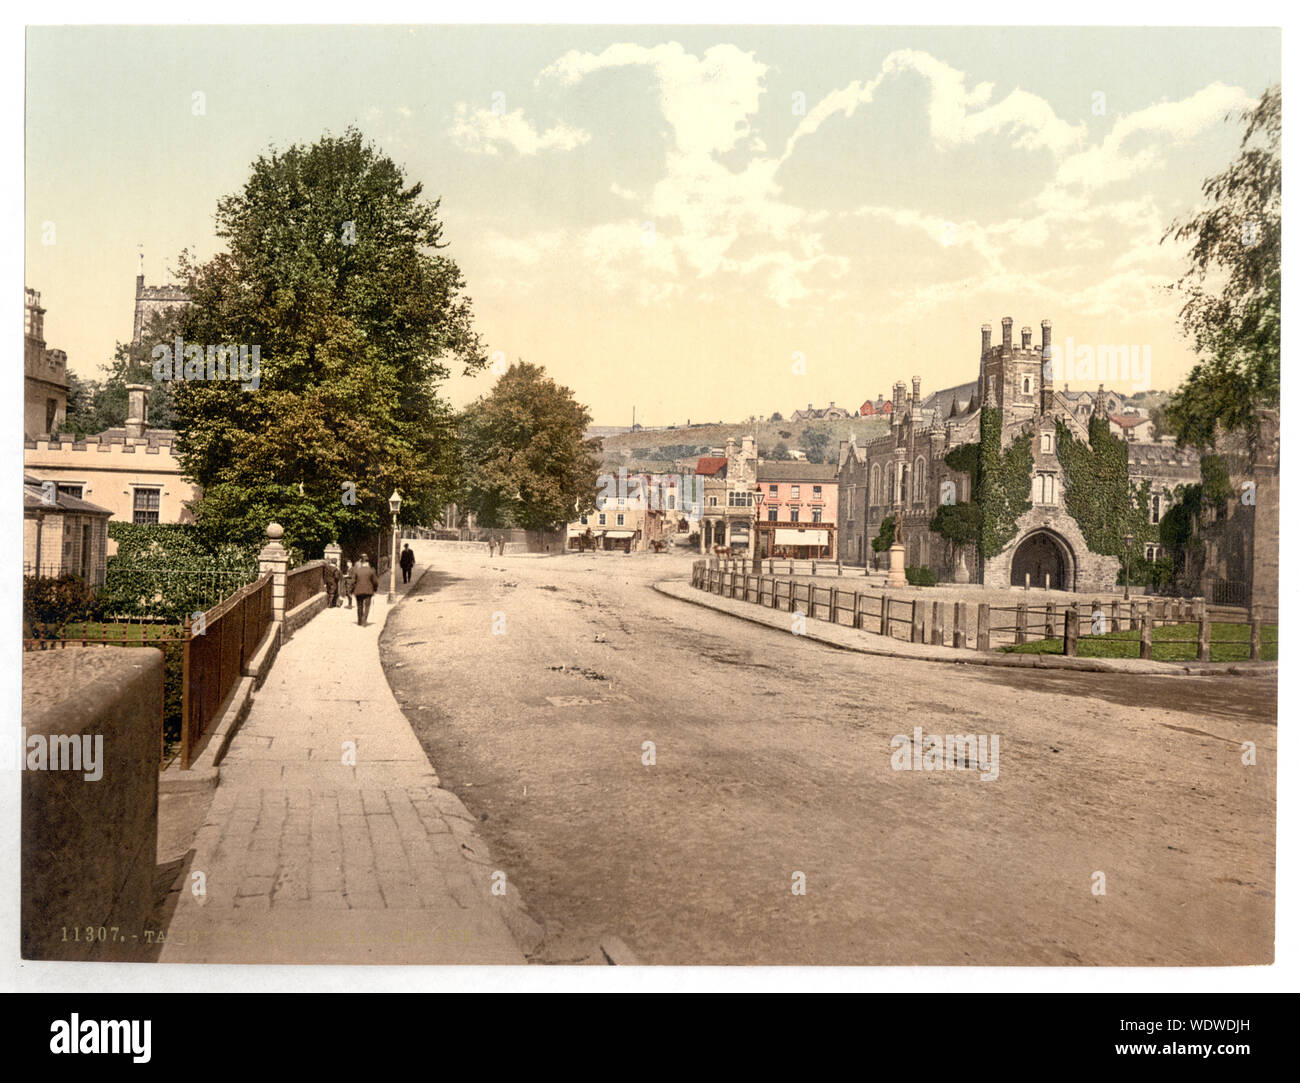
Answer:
(49, 604)
(921, 576)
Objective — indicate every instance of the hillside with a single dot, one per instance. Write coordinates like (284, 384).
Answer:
(658, 449)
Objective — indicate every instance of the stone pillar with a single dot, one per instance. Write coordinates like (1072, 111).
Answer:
(1144, 636)
(982, 627)
(959, 624)
(897, 577)
(936, 625)
(274, 558)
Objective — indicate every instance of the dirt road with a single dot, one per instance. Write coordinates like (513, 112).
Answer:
(535, 684)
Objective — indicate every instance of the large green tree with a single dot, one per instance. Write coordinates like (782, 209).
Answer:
(334, 270)
(526, 462)
(1232, 288)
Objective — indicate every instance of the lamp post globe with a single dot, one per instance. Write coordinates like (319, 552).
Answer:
(395, 506)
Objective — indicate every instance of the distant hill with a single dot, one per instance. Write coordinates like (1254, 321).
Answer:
(650, 449)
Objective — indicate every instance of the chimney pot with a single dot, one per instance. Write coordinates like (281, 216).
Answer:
(986, 338)
(1007, 321)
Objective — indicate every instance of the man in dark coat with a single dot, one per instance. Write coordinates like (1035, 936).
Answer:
(407, 562)
(331, 584)
(367, 583)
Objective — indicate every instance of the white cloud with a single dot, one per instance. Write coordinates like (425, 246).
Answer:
(1123, 153)
(483, 131)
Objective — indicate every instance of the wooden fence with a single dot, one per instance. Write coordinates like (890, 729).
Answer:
(1113, 629)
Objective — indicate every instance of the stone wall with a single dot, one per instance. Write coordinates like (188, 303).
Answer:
(89, 845)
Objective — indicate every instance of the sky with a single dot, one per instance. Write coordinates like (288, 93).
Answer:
(698, 223)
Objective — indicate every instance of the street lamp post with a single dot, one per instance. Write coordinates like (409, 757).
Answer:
(758, 518)
(1128, 545)
(395, 505)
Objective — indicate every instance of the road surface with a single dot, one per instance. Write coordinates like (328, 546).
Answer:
(535, 684)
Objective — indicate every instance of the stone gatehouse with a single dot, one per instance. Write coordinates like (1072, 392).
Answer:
(904, 475)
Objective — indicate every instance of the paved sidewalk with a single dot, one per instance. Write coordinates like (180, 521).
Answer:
(328, 839)
(866, 642)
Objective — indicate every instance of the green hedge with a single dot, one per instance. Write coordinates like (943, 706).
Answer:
(921, 576)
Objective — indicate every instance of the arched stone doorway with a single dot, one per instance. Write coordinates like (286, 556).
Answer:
(1045, 559)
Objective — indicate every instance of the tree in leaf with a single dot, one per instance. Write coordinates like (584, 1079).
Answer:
(959, 525)
(334, 269)
(815, 443)
(525, 460)
(1232, 289)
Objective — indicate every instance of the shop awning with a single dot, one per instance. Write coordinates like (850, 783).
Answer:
(618, 533)
(786, 536)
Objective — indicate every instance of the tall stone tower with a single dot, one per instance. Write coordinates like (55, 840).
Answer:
(150, 300)
(1015, 378)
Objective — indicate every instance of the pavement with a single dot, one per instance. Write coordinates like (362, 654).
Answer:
(844, 637)
(328, 838)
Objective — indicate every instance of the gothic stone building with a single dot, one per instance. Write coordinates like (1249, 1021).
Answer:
(904, 474)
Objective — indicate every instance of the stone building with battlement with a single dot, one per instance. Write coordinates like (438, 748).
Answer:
(904, 475)
(151, 301)
(45, 374)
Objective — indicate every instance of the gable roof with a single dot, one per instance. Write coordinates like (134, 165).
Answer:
(711, 464)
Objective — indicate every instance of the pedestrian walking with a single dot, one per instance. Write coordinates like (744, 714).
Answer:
(367, 583)
(501, 544)
(407, 562)
(331, 574)
(492, 545)
(348, 580)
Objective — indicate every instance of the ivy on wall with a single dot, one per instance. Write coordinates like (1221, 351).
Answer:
(1003, 482)
(1098, 492)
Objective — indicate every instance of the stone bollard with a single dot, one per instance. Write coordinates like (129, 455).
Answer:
(982, 627)
(1144, 636)
(1203, 635)
(959, 624)
(936, 625)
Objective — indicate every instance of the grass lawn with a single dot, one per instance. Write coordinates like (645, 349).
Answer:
(119, 631)
(1169, 643)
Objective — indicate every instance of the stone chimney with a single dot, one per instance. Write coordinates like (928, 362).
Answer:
(1026, 338)
(986, 338)
(137, 410)
(916, 392)
(1007, 321)
(900, 389)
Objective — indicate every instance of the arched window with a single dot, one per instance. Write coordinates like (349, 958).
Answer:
(874, 490)
(1026, 385)
(1047, 441)
(918, 481)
